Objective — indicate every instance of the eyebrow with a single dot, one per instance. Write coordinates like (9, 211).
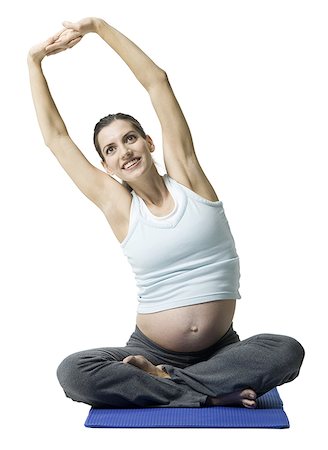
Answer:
(125, 135)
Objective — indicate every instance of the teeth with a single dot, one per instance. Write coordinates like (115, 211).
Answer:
(130, 163)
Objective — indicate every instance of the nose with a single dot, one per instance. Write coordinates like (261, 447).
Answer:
(126, 153)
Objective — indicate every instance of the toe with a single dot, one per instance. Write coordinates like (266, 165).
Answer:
(248, 398)
(135, 359)
(248, 403)
(128, 359)
(248, 394)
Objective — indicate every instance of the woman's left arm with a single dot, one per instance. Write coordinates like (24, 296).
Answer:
(179, 154)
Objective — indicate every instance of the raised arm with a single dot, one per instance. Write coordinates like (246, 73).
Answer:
(94, 183)
(177, 141)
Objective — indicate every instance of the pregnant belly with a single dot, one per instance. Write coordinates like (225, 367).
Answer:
(189, 328)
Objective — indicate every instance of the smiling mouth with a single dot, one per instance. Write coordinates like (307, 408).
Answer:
(131, 164)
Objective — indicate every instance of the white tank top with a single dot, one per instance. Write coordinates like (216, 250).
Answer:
(184, 258)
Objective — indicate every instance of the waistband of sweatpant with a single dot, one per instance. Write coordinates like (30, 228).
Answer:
(230, 337)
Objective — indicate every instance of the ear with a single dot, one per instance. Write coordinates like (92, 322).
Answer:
(105, 166)
(150, 143)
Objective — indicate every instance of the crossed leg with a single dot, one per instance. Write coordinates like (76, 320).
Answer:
(246, 397)
(235, 374)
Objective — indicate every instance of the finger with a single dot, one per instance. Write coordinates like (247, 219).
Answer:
(72, 36)
(55, 51)
(53, 40)
(70, 32)
(73, 42)
(54, 46)
(63, 45)
(56, 36)
(59, 33)
(50, 41)
(66, 37)
(70, 25)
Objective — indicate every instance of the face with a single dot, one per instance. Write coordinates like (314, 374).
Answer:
(120, 143)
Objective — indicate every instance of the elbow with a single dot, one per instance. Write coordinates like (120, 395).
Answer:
(159, 77)
(162, 76)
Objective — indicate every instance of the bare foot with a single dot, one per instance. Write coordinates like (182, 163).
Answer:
(246, 398)
(142, 363)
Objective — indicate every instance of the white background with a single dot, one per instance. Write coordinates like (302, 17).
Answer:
(251, 77)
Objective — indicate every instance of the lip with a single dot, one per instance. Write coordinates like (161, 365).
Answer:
(133, 167)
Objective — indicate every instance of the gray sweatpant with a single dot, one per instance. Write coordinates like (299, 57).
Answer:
(99, 378)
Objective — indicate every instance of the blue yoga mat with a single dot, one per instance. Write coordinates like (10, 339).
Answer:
(268, 414)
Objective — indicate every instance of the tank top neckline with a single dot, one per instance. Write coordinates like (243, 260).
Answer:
(153, 216)
(171, 219)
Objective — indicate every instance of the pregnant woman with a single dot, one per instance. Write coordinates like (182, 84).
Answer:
(184, 351)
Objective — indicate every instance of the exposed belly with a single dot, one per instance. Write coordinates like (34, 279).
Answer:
(189, 328)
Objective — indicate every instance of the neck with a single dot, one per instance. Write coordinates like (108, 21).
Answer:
(151, 188)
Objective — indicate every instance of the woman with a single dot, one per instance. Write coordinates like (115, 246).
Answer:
(174, 232)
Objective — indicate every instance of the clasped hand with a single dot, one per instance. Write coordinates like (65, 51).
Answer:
(64, 39)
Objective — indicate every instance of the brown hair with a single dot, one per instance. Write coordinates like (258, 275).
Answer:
(107, 120)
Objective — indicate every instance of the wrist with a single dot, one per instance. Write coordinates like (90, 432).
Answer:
(89, 25)
(98, 24)
(34, 59)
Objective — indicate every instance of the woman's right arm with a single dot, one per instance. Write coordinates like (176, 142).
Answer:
(94, 183)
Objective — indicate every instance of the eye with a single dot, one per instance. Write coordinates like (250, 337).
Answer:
(109, 150)
(131, 138)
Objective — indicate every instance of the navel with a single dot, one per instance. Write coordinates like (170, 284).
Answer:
(194, 329)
